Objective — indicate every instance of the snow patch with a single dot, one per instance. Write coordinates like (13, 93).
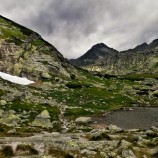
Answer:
(15, 79)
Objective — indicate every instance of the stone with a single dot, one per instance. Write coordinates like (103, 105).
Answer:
(3, 102)
(44, 114)
(83, 120)
(8, 97)
(128, 154)
(114, 128)
(10, 120)
(103, 154)
(112, 154)
(88, 152)
(12, 112)
(151, 133)
(40, 122)
(43, 120)
(46, 75)
(124, 144)
(1, 112)
(12, 131)
(153, 128)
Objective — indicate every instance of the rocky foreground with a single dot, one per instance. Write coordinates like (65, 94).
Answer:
(109, 142)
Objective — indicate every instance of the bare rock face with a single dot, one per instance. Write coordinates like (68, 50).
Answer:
(101, 58)
(24, 53)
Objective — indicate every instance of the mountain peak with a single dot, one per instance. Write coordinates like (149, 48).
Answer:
(96, 52)
(99, 45)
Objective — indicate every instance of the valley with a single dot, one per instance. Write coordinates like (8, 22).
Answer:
(53, 115)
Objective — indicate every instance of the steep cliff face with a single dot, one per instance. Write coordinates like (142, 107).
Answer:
(141, 59)
(24, 53)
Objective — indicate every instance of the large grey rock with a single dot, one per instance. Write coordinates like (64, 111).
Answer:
(44, 114)
(83, 120)
(114, 128)
(40, 122)
(43, 120)
(3, 102)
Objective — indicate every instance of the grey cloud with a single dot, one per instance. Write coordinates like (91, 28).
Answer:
(73, 26)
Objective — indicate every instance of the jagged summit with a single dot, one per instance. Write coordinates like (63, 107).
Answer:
(24, 53)
(98, 51)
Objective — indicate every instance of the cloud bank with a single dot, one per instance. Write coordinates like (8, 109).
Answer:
(73, 26)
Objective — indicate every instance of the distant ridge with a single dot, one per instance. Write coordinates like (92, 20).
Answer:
(102, 58)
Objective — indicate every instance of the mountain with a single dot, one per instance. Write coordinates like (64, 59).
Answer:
(24, 53)
(97, 53)
(101, 58)
(66, 111)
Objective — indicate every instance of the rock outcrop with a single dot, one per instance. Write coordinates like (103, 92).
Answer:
(43, 120)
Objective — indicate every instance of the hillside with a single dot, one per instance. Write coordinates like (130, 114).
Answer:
(24, 53)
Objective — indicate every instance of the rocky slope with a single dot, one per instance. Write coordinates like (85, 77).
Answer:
(24, 53)
(109, 142)
(140, 60)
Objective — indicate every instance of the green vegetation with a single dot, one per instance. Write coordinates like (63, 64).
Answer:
(12, 33)
(77, 112)
(37, 42)
(34, 109)
(77, 84)
(139, 77)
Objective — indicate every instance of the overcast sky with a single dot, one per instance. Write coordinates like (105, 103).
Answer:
(74, 26)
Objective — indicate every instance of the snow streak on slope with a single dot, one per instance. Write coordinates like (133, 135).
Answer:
(15, 79)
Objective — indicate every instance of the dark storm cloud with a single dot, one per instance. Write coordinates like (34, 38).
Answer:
(73, 26)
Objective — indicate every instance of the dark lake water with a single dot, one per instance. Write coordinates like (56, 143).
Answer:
(140, 118)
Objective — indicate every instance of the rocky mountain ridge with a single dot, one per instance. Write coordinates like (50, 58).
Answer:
(101, 58)
(24, 53)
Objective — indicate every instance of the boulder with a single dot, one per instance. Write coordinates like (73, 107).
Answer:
(83, 120)
(114, 128)
(46, 75)
(43, 120)
(40, 122)
(3, 102)
(44, 114)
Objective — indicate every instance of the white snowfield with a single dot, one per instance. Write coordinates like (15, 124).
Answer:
(15, 79)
